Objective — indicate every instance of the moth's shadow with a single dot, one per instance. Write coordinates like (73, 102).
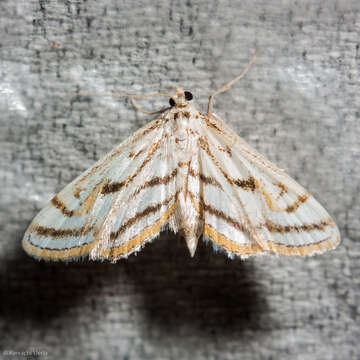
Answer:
(171, 290)
(209, 292)
(38, 292)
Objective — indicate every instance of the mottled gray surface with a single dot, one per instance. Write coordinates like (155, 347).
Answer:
(298, 105)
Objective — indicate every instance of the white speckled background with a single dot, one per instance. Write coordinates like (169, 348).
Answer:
(299, 105)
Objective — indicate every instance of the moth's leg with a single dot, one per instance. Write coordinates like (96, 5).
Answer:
(133, 103)
(132, 97)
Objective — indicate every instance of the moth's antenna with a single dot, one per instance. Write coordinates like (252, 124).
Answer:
(132, 97)
(230, 83)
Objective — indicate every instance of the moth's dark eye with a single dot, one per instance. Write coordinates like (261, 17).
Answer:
(172, 102)
(188, 95)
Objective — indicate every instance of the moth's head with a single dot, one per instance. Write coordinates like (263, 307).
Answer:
(180, 98)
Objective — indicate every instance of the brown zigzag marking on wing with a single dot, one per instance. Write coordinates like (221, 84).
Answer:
(201, 206)
(251, 184)
(155, 181)
(140, 215)
(59, 233)
(61, 206)
(112, 187)
(203, 178)
(282, 229)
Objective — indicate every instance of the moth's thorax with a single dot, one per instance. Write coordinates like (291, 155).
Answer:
(182, 122)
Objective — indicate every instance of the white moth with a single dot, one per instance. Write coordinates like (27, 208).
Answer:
(188, 172)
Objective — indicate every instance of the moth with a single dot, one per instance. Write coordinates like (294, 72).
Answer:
(188, 172)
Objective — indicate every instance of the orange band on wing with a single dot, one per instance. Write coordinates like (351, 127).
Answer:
(229, 245)
(138, 240)
(289, 250)
(303, 250)
(113, 253)
(54, 254)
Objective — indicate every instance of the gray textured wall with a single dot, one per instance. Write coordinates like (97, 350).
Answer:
(298, 105)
